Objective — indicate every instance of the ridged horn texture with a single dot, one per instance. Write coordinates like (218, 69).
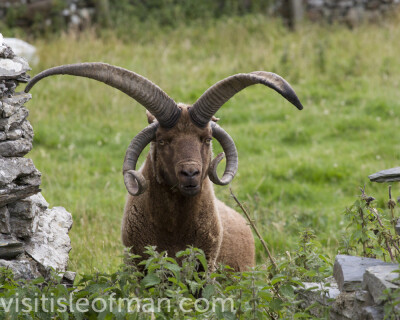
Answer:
(230, 151)
(134, 181)
(209, 103)
(139, 88)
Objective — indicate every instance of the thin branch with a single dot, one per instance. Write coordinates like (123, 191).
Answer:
(256, 230)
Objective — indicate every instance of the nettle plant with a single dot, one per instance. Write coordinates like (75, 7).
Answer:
(372, 230)
(165, 290)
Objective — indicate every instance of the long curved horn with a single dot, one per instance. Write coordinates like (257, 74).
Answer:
(230, 151)
(134, 181)
(139, 88)
(209, 103)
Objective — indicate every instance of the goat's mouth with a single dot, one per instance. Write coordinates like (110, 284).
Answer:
(189, 189)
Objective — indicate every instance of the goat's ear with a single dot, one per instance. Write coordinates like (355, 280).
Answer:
(215, 119)
(150, 117)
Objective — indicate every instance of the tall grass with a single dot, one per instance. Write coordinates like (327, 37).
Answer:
(297, 169)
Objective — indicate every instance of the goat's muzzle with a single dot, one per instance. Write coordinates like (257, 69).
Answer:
(189, 175)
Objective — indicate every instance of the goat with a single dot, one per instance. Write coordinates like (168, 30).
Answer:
(171, 202)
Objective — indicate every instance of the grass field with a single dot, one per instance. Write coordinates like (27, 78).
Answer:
(297, 169)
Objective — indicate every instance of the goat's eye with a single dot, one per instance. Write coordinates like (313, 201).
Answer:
(161, 142)
(207, 141)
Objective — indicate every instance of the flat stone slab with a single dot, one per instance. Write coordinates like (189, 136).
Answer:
(379, 278)
(325, 290)
(23, 268)
(388, 175)
(14, 68)
(10, 248)
(349, 271)
(18, 179)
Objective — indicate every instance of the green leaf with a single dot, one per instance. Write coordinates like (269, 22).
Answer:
(227, 315)
(277, 279)
(208, 291)
(287, 290)
(150, 280)
(203, 261)
(173, 267)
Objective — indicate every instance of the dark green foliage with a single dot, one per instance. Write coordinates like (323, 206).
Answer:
(168, 290)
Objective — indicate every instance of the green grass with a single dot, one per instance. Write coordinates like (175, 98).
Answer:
(297, 169)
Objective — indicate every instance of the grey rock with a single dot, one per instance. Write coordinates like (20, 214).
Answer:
(7, 87)
(15, 148)
(364, 296)
(68, 278)
(23, 228)
(19, 141)
(316, 3)
(350, 305)
(14, 121)
(69, 275)
(25, 215)
(18, 192)
(346, 306)
(8, 110)
(14, 68)
(349, 271)
(27, 130)
(379, 278)
(12, 104)
(10, 248)
(328, 290)
(23, 268)
(5, 50)
(50, 244)
(3, 136)
(387, 175)
(18, 179)
(11, 169)
(23, 49)
(5, 221)
(372, 313)
(354, 16)
(29, 207)
(320, 295)
(15, 134)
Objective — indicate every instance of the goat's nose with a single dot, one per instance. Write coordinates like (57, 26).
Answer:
(189, 172)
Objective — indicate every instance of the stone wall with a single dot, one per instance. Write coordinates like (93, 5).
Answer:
(75, 14)
(356, 290)
(33, 237)
(348, 11)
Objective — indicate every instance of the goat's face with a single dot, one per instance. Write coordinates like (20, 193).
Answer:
(182, 154)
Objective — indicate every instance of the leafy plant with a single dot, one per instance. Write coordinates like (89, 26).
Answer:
(372, 228)
(161, 288)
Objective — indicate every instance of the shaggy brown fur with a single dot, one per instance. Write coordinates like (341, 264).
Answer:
(173, 213)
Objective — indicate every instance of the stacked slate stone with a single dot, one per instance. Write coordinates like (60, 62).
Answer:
(356, 292)
(33, 238)
(351, 12)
